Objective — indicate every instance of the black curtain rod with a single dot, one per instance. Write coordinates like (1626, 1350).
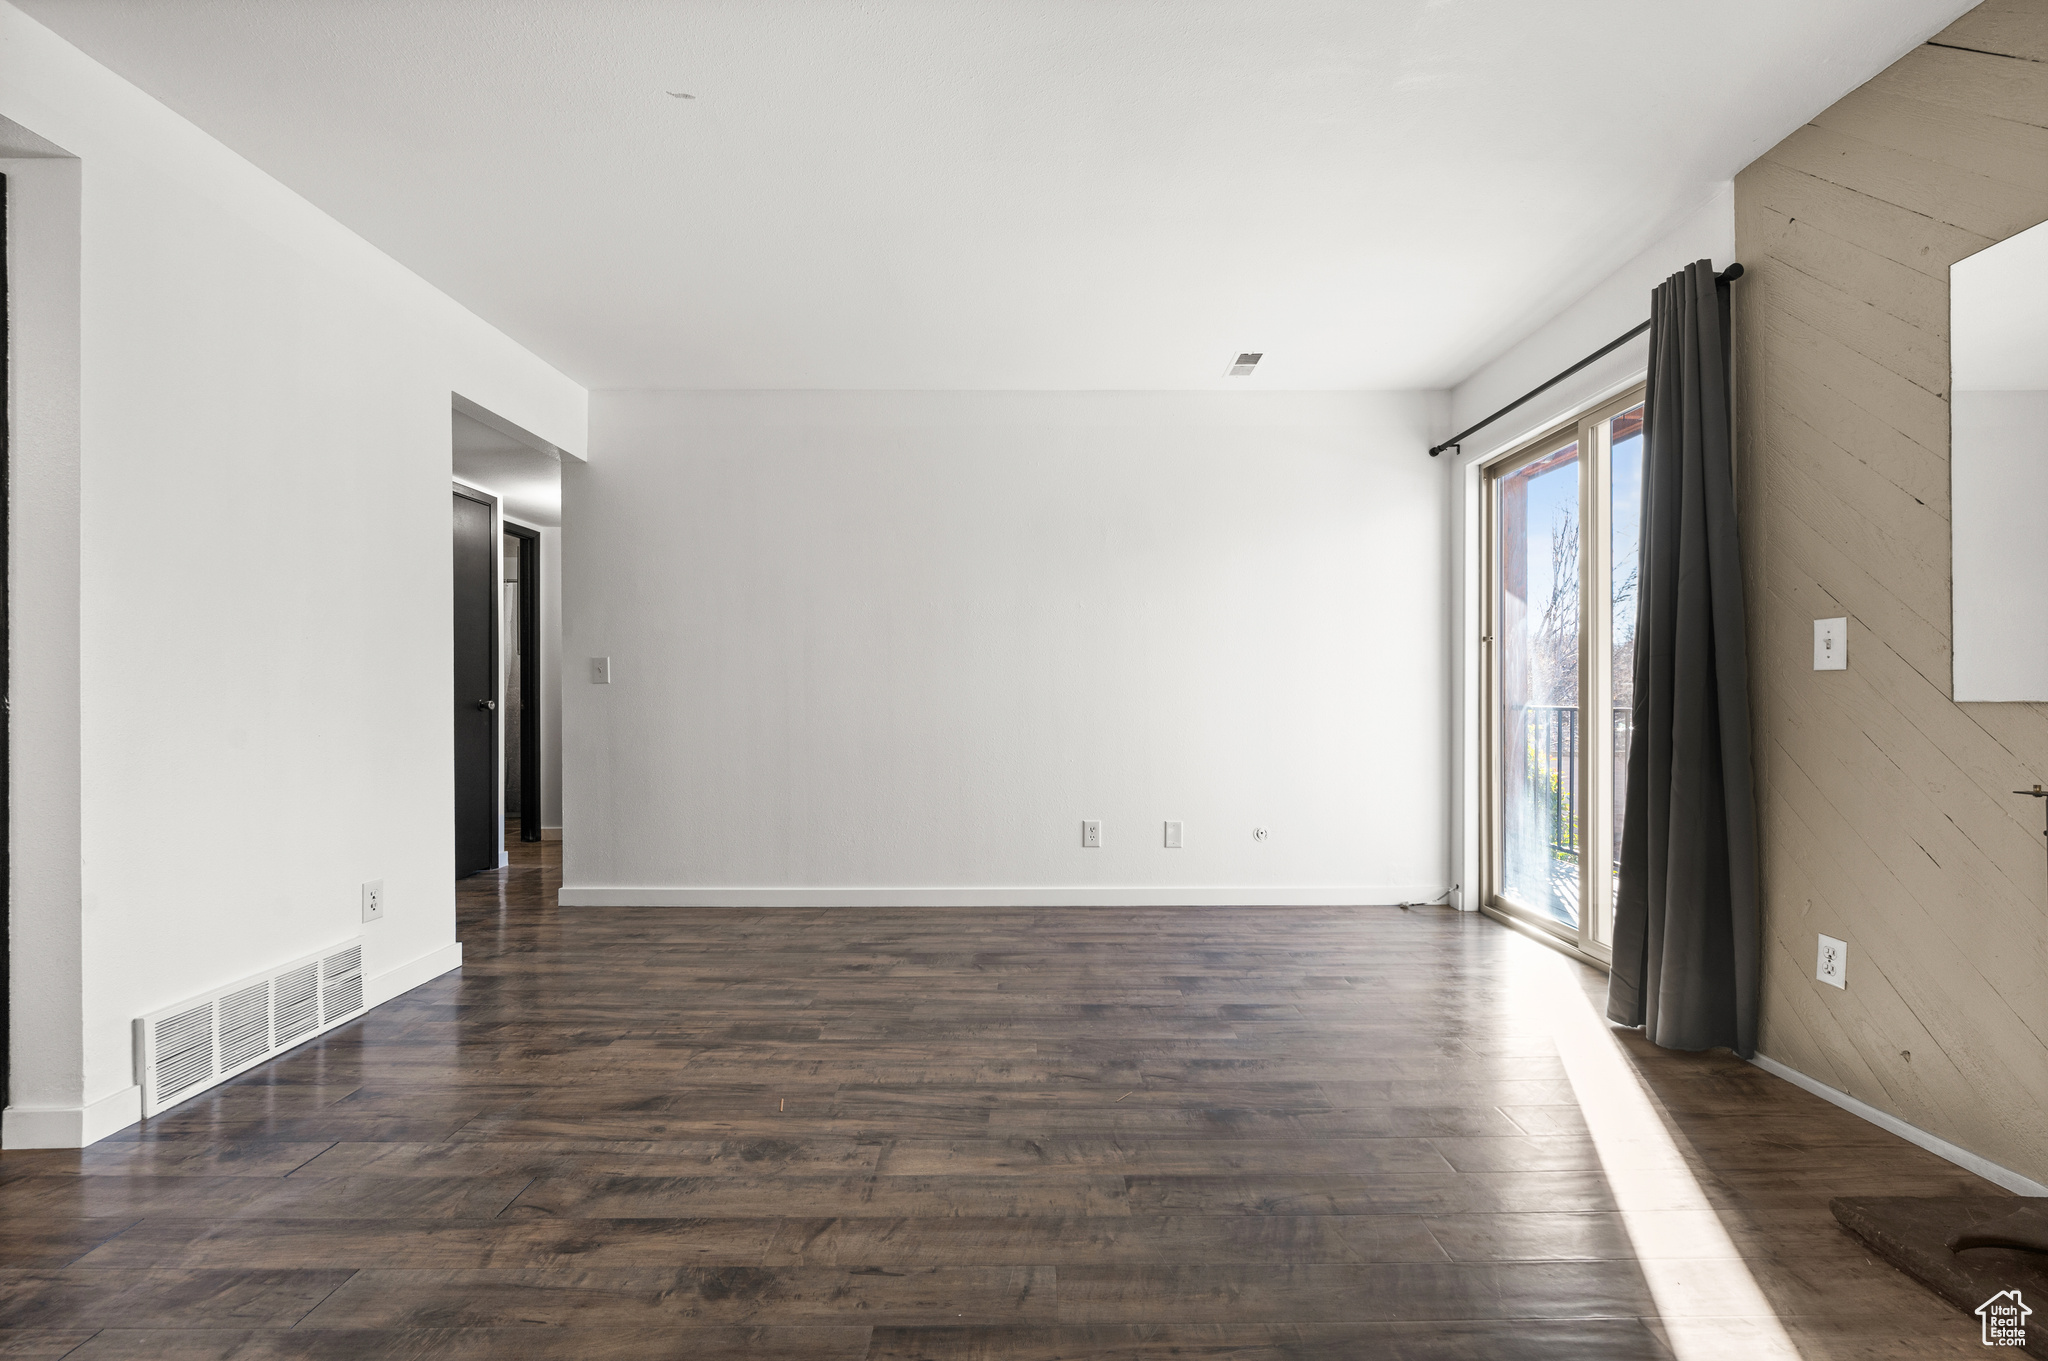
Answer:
(1728, 275)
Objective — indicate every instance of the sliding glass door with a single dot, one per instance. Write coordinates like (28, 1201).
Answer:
(1558, 644)
(1537, 644)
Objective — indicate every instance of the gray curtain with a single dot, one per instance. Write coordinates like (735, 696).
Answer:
(1686, 952)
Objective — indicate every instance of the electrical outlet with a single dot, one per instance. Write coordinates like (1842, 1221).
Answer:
(1833, 965)
(373, 901)
(600, 671)
(1173, 836)
(1091, 835)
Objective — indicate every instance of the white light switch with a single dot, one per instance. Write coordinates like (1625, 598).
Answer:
(600, 671)
(1173, 836)
(1833, 965)
(1831, 645)
(1091, 835)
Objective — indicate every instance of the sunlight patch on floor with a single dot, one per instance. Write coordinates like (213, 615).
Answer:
(1710, 1304)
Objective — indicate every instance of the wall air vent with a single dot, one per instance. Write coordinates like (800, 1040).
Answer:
(296, 1002)
(184, 1049)
(341, 982)
(1245, 364)
(244, 1025)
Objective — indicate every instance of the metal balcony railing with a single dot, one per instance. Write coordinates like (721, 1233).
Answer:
(1553, 772)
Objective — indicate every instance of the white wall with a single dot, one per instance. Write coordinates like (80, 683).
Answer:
(1613, 307)
(895, 647)
(43, 755)
(261, 546)
(1998, 482)
(551, 679)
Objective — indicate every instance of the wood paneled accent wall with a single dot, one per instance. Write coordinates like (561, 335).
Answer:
(1887, 816)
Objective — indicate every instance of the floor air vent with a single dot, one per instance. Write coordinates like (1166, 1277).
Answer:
(184, 1049)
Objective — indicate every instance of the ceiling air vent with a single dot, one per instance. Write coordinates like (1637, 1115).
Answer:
(1245, 364)
(184, 1049)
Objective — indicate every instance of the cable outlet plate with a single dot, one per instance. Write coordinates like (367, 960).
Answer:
(1173, 836)
(1832, 967)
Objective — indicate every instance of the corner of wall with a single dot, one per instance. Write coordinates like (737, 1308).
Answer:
(1608, 309)
(381, 988)
(1884, 807)
(47, 1064)
(70, 1126)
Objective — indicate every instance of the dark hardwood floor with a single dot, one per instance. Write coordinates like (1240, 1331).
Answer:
(950, 1134)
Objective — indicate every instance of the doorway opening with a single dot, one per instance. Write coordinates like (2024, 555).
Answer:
(522, 714)
(508, 569)
(477, 827)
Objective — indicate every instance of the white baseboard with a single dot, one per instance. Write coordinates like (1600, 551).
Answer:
(79, 1126)
(1228, 895)
(70, 1126)
(1912, 1134)
(381, 988)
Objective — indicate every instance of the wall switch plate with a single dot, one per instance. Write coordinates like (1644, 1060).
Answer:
(1831, 645)
(600, 671)
(1091, 835)
(1173, 836)
(373, 901)
(1832, 967)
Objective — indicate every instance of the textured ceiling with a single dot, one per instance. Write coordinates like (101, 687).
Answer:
(1003, 193)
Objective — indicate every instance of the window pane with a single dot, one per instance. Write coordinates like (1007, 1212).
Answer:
(1625, 460)
(1539, 681)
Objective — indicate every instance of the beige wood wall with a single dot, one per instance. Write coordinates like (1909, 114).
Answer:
(1885, 806)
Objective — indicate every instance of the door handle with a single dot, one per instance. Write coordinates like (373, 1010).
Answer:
(487, 704)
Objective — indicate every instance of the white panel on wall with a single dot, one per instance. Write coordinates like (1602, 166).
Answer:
(1998, 468)
(1999, 489)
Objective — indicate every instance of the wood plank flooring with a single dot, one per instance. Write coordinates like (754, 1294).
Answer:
(939, 1134)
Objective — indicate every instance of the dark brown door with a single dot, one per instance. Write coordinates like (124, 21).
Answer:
(476, 689)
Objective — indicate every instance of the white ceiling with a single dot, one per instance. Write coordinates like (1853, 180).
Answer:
(527, 482)
(1998, 316)
(1003, 193)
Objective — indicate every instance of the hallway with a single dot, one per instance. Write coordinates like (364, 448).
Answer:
(938, 1133)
